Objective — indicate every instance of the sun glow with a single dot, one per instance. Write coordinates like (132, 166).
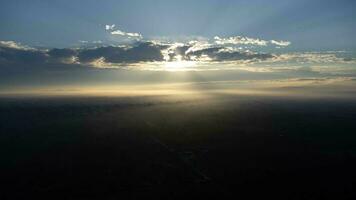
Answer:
(179, 65)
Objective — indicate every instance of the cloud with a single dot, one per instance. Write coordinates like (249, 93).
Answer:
(66, 56)
(313, 58)
(239, 40)
(280, 43)
(202, 51)
(222, 54)
(118, 32)
(113, 31)
(109, 27)
(196, 45)
(12, 53)
(139, 52)
(197, 42)
(13, 45)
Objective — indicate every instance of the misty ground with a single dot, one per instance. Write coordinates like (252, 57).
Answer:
(175, 147)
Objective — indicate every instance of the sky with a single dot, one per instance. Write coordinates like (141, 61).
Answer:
(66, 42)
(309, 24)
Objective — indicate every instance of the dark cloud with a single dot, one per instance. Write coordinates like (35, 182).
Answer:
(181, 50)
(141, 52)
(215, 54)
(222, 54)
(211, 52)
(62, 53)
(17, 59)
(231, 56)
(89, 55)
(21, 56)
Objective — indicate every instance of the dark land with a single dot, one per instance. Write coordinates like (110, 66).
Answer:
(171, 147)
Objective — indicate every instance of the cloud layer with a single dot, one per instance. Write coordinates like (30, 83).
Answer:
(222, 52)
